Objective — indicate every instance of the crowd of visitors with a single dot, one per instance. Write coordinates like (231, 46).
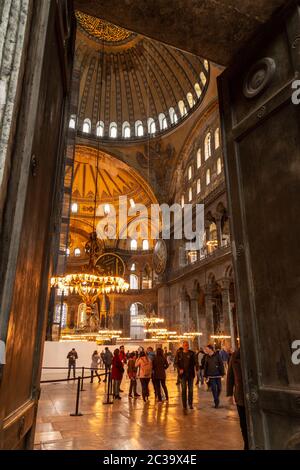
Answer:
(208, 365)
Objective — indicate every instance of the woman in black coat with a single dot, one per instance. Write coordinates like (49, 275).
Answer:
(159, 366)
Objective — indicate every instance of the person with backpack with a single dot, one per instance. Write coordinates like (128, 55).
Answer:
(145, 371)
(159, 365)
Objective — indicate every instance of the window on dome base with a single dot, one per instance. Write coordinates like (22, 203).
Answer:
(86, 128)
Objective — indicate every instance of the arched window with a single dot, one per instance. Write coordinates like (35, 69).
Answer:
(133, 245)
(207, 146)
(145, 245)
(206, 65)
(197, 89)
(190, 99)
(203, 78)
(72, 122)
(173, 116)
(162, 121)
(132, 268)
(126, 130)
(100, 129)
(113, 130)
(133, 281)
(217, 138)
(219, 166)
(74, 208)
(139, 129)
(151, 126)
(61, 311)
(207, 176)
(86, 128)
(190, 172)
(182, 108)
(198, 186)
(106, 209)
(198, 158)
(77, 252)
(190, 194)
(182, 201)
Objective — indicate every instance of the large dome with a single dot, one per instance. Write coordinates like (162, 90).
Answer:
(131, 86)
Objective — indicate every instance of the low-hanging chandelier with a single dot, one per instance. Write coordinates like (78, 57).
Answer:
(89, 286)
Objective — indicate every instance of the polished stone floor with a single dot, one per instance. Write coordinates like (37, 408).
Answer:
(131, 424)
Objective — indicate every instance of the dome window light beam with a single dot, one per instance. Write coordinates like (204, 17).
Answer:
(182, 108)
(173, 116)
(133, 245)
(74, 208)
(126, 130)
(113, 130)
(72, 122)
(86, 128)
(106, 209)
(190, 100)
(151, 126)
(77, 252)
(198, 90)
(100, 129)
(145, 245)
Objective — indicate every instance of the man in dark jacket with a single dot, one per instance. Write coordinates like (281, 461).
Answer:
(214, 371)
(72, 356)
(107, 359)
(235, 387)
(186, 363)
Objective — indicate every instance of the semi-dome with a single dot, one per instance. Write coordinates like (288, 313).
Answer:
(131, 86)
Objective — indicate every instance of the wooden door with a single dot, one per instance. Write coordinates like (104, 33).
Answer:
(51, 41)
(261, 134)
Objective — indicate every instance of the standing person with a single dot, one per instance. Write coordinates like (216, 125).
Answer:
(159, 365)
(117, 373)
(151, 356)
(72, 356)
(95, 364)
(145, 373)
(186, 364)
(175, 364)
(132, 372)
(123, 359)
(235, 387)
(199, 366)
(107, 360)
(225, 357)
(214, 371)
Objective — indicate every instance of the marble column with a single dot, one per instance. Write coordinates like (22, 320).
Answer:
(209, 316)
(227, 312)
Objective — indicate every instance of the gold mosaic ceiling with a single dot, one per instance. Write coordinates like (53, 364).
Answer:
(101, 29)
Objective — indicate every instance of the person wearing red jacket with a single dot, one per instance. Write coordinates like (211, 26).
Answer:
(117, 373)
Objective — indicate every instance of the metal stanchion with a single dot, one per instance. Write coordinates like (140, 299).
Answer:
(109, 391)
(77, 413)
(92, 376)
(82, 377)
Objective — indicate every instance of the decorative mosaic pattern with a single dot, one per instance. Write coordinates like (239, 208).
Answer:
(102, 29)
